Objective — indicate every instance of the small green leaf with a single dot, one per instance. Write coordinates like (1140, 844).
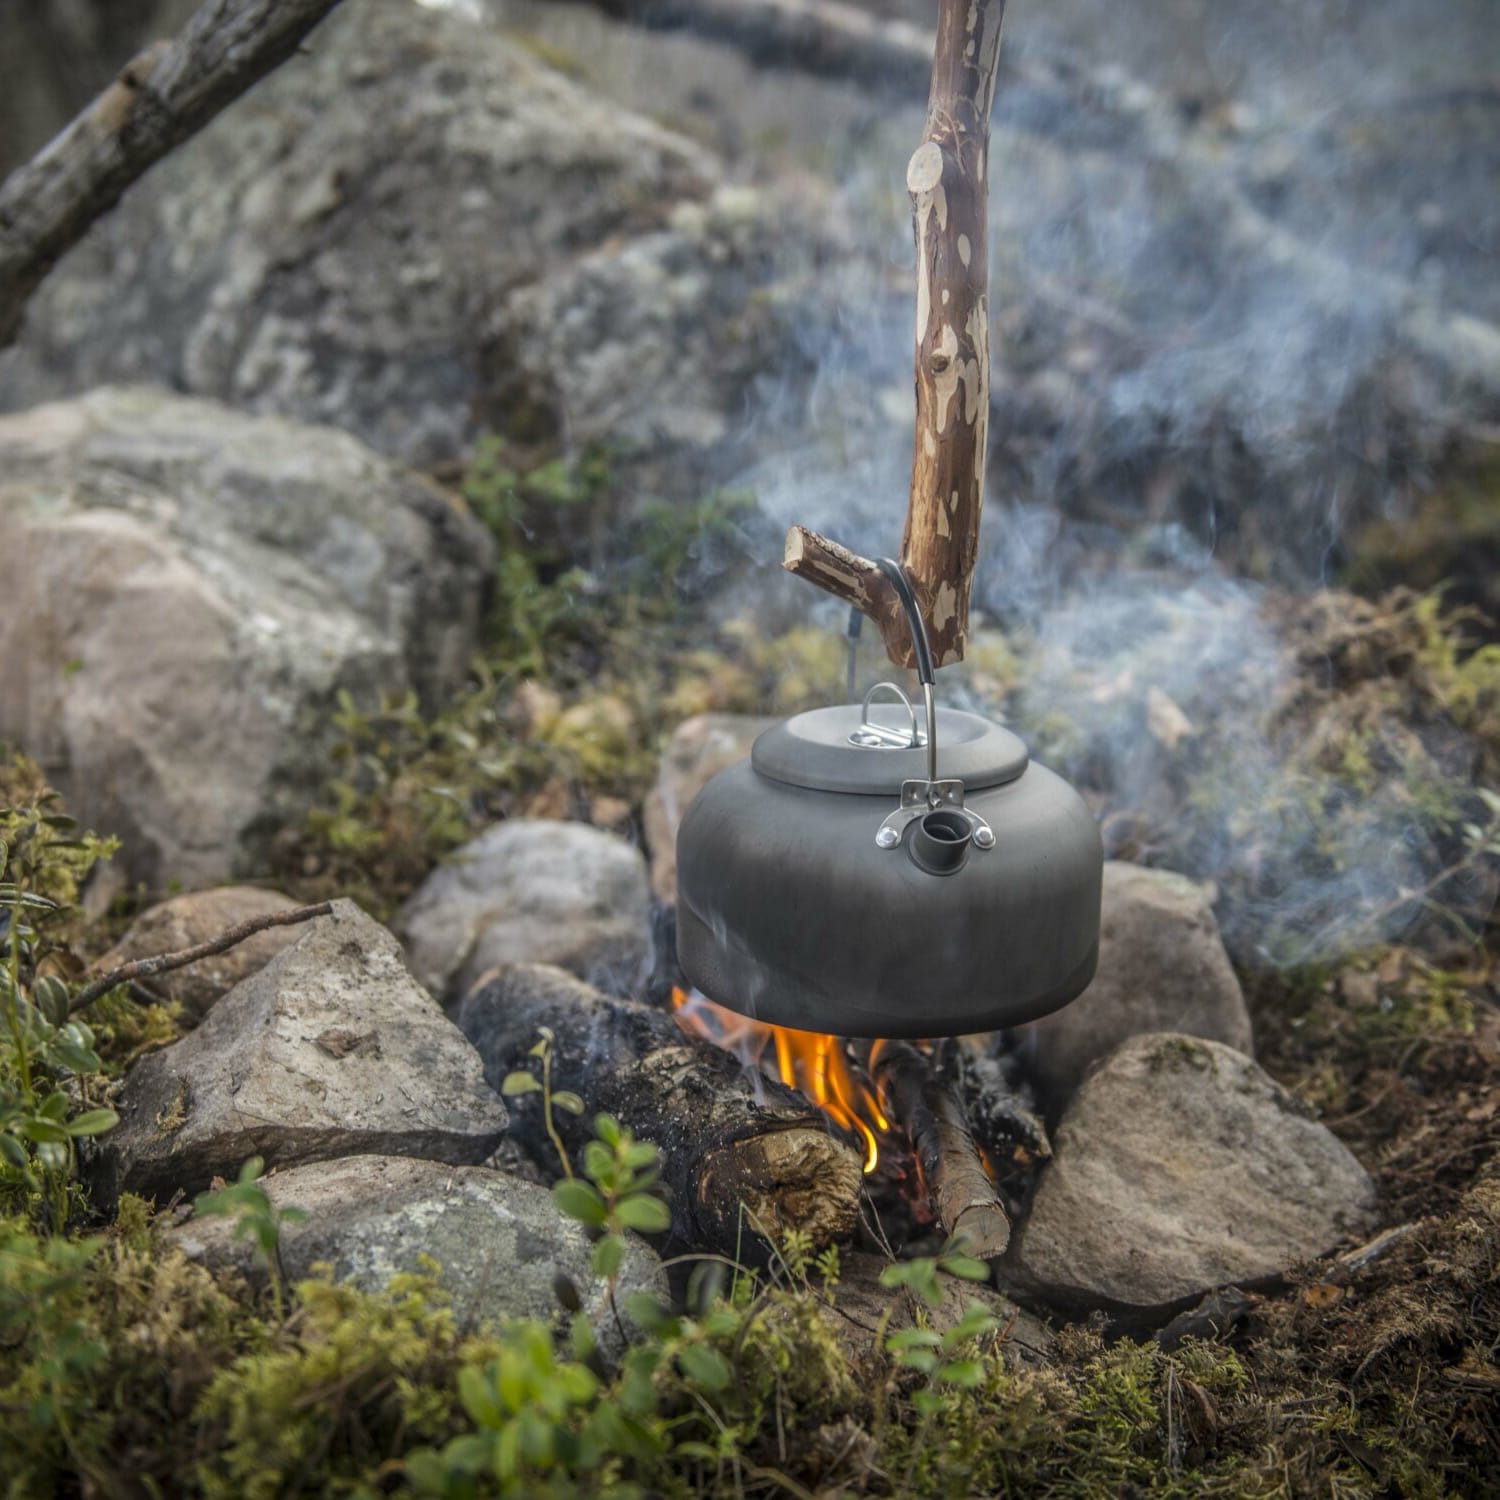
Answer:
(579, 1201)
(963, 1372)
(647, 1215)
(607, 1128)
(518, 1083)
(566, 1099)
(609, 1256)
(704, 1366)
(93, 1122)
(478, 1398)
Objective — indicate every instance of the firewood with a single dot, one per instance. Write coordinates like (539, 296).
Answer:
(928, 1110)
(743, 1158)
(1001, 1116)
(159, 99)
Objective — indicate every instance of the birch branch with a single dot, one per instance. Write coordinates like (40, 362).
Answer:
(160, 98)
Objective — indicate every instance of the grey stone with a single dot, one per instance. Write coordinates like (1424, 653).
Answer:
(699, 749)
(532, 890)
(1181, 1166)
(184, 591)
(196, 917)
(1162, 967)
(502, 253)
(331, 1049)
(501, 1242)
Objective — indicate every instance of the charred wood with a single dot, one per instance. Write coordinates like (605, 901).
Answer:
(741, 1156)
(1001, 1116)
(928, 1109)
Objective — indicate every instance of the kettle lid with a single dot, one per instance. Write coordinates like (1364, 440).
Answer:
(831, 750)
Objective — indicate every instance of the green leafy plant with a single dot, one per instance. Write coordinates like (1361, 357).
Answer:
(48, 1065)
(256, 1218)
(621, 1181)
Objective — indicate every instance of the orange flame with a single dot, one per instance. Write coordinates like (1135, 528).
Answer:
(808, 1061)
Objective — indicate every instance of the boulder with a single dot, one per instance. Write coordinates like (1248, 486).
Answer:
(699, 749)
(331, 1049)
(1181, 1166)
(196, 917)
(501, 1242)
(1162, 967)
(506, 252)
(532, 890)
(185, 592)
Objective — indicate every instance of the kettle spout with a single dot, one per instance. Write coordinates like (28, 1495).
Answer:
(939, 842)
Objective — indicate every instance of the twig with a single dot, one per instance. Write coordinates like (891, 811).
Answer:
(159, 99)
(164, 962)
(928, 1110)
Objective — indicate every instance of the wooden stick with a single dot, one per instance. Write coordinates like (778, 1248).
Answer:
(946, 178)
(744, 1158)
(143, 968)
(160, 98)
(932, 1117)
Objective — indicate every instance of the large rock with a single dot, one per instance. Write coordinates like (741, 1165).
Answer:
(699, 749)
(197, 917)
(532, 891)
(501, 1242)
(184, 591)
(506, 251)
(1181, 1166)
(1162, 967)
(331, 1049)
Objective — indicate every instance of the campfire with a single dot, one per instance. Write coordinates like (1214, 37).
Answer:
(913, 1108)
(817, 1066)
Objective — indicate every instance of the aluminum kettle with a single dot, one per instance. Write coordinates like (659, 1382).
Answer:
(869, 875)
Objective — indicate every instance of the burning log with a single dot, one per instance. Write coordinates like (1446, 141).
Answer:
(740, 1155)
(1011, 1136)
(928, 1109)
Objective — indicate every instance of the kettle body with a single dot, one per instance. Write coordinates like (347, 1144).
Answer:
(816, 891)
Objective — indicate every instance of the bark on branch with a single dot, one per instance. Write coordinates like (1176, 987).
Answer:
(160, 98)
(946, 178)
(162, 963)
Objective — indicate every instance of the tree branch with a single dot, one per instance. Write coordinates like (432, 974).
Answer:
(163, 96)
(947, 180)
(143, 968)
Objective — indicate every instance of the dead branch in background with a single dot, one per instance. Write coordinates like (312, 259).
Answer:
(929, 1111)
(161, 97)
(162, 963)
(833, 39)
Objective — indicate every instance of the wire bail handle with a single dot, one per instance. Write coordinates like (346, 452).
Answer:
(921, 797)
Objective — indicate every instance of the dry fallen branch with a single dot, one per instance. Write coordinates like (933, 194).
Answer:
(928, 1110)
(728, 1139)
(144, 968)
(829, 38)
(159, 99)
(825, 37)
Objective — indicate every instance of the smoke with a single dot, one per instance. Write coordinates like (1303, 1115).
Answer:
(1203, 385)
